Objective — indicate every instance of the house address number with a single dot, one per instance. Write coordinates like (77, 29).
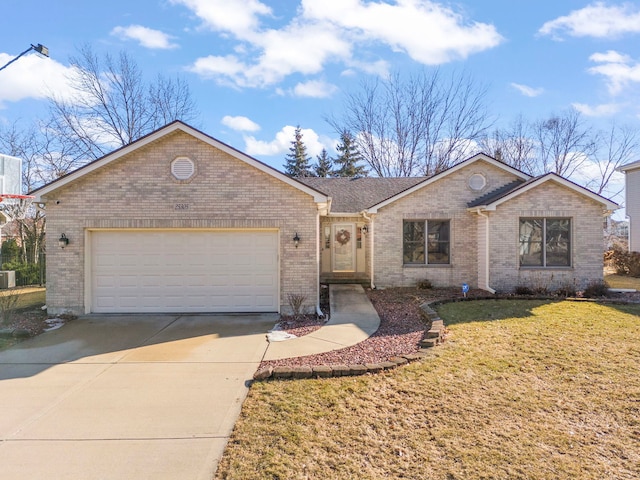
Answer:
(181, 206)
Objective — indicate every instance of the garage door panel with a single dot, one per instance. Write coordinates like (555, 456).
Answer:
(184, 271)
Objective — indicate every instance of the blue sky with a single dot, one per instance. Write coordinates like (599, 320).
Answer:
(258, 68)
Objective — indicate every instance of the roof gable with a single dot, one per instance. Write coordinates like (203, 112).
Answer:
(177, 125)
(428, 181)
(494, 201)
(629, 166)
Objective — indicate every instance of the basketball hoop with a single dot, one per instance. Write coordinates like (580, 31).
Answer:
(14, 196)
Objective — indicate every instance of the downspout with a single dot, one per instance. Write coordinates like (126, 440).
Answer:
(486, 254)
(318, 266)
(371, 253)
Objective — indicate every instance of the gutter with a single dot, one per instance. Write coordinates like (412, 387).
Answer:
(372, 253)
(486, 256)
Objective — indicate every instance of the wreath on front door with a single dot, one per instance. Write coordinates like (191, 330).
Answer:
(343, 237)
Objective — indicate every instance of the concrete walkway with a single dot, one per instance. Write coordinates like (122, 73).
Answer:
(353, 319)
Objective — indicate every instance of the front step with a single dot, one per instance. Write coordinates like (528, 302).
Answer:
(343, 279)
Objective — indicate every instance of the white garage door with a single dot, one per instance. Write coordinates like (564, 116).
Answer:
(184, 271)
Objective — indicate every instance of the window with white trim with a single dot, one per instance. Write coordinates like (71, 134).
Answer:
(545, 242)
(430, 236)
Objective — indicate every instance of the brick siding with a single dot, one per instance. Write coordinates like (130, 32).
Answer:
(138, 191)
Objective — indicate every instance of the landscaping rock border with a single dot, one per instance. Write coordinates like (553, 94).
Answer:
(434, 336)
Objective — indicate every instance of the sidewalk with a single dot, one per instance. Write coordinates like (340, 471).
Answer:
(353, 319)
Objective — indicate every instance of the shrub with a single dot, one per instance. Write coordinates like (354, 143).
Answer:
(425, 284)
(522, 290)
(596, 289)
(567, 290)
(8, 302)
(26, 273)
(624, 263)
(295, 302)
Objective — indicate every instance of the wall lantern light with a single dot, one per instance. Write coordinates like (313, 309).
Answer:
(365, 229)
(296, 240)
(63, 241)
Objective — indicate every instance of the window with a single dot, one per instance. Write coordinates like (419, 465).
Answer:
(431, 236)
(545, 242)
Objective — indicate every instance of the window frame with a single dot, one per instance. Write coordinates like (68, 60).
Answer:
(425, 243)
(545, 243)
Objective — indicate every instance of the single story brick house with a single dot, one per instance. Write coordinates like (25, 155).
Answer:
(180, 222)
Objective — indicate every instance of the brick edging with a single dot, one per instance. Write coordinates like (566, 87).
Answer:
(433, 337)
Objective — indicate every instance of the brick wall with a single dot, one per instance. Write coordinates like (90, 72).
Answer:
(138, 191)
(446, 198)
(548, 200)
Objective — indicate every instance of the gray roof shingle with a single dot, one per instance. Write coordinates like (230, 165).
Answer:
(352, 195)
(496, 194)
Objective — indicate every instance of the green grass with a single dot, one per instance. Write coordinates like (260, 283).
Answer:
(520, 390)
(622, 281)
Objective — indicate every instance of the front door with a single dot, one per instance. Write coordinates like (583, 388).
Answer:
(343, 245)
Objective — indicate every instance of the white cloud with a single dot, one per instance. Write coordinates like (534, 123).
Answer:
(603, 110)
(330, 32)
(147, 37)
(282, 142)
(295, 49)
(596, 20)
(611, 56)
(216, 66)
(239, 17)
(428, 32)
(618, 69)
(314, 89)
(240, 123)
(527, 91)
(33, 76)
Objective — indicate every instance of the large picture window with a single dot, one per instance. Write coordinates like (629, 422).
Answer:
(545, 242)
(426, 242)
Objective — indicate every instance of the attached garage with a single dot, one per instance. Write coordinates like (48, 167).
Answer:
(147, 271)
(178, 221)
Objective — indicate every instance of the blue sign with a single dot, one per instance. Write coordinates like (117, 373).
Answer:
(465, 288)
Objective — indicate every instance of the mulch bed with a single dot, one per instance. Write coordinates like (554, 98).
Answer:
(401, 328)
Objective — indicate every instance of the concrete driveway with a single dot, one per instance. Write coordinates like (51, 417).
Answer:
(127, 397)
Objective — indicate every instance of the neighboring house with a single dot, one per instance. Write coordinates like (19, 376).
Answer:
(10, 184)
(180, 222)
(632, 202)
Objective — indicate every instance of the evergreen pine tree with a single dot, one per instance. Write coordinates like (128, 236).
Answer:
(324, 165)
(297, 161)
(348, 157)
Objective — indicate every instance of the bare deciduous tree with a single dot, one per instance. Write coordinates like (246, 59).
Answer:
(564, 143)
(513, 145)
(616, 147)
(114, 106)
(420, 125)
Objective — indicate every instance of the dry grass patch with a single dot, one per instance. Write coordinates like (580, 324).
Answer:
(521, 390)
(622, 281)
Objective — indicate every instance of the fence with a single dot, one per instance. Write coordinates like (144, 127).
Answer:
(25, 273)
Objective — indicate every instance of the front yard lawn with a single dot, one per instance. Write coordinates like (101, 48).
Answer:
(521, 389)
